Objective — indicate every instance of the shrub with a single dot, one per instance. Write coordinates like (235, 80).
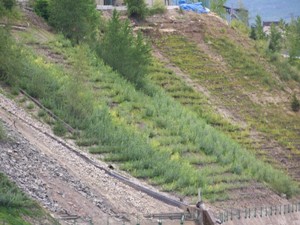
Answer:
(2, 132)
(8, 4)
(41, 113)
(41, 7)
(217, 7)
(10, 62)
(59, 129)
(30, 105)
(295, 103)
(239, 25)
(157, 8)
(136, 8)
(11, 196)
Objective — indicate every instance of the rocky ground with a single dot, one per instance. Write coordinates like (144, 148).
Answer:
(61, 181)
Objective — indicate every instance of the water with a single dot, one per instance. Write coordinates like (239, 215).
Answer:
(269, 10)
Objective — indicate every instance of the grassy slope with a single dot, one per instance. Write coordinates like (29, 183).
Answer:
(16, 208)
(243, 81)
(149, 133)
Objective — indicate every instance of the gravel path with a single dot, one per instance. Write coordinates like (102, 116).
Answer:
(63, 182)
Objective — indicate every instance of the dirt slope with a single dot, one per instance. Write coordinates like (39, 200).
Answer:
(61, 181)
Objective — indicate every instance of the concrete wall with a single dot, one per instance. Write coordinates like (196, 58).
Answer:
(116, 2)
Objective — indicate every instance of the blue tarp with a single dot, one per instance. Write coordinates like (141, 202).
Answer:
(195, 7)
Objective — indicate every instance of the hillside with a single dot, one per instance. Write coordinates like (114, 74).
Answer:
(214, 113)
(216, 68)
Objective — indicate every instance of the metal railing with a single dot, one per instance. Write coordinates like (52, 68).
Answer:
(263, 211)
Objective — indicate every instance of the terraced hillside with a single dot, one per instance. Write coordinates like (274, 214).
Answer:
(210, 114)
(217, 69)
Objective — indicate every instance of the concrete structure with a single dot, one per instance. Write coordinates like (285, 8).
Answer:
(121, 2)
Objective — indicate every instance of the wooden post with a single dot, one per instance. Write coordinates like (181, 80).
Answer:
(280, 209)
(199, 195)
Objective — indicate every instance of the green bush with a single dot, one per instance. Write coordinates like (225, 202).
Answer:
(2, 132)
(295, 104)
(30, 106)
(239, 25)
(8, 4)
(41, 7)
(10, 58)
(285, 69)
(59, 129)
(11, 196)
(136, 8)
(217, 7)
(41, 113)
(157, 8)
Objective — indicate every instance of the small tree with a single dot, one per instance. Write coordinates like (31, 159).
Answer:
(125, 52)
(41, 8)
(6, 7)
(77, 21)
(217, 7)
(136, 8)
(253, 33)
(293, 40)
(8, 4)
(275, 37)
(259, 31)
(295, 103)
